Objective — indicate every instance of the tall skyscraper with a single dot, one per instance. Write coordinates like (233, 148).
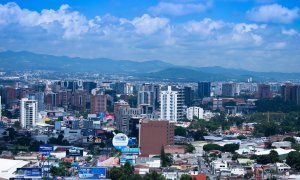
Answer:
(39, 97)
(188, 96)
(263, 91)
(228, 89)
(146, 98)
(98, 103)
(28, 112)
(291, 93)
(203, 89)
(154, 135)
(168, 104)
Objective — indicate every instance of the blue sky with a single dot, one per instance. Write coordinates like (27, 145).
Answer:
(260, 35)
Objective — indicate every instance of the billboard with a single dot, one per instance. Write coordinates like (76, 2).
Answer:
(29, 172)
(132, 141)
(46, 148)
(92, 173)
(135, 151)
(74, 152)
(94, 139)
(120, 141)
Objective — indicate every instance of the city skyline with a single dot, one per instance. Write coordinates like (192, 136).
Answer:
(260, 35)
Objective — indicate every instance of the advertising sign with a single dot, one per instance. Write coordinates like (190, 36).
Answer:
(132, 141)
(92, 173)
(130, 151)
(29, 172)
(74, 152)
(120, 141)
(94, 139)
(46, 148)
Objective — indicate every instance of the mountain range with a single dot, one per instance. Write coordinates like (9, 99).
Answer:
(23, 60)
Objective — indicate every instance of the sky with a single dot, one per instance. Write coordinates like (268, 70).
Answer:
(258, 35)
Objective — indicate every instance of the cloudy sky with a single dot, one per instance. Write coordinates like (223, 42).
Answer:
(260, 35)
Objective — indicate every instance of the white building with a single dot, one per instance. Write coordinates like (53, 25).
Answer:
(194, 111)
(168, 106)
(28, 113)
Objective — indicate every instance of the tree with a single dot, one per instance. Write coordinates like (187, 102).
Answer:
(209, 147)
(274, 157)
(17, 125)
(291, 139)
(241, 137)
(190, 148)
(154, 176)
(185, 177)
(180, 131)
(166, 159)
(230, 147)
(293, 159)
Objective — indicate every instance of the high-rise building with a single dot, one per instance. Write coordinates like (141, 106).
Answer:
(98, 103)
(180, 103)
(79, 100)
(28, 112)
(203, 89)
(194, 111)
(146, 98)
(188, 96)
(168, 104)
(263, 91)
(51, 100)
(123, 116)
(291, 93)
(120, 87)
(153, 135)
(39, 97)
(228, 89)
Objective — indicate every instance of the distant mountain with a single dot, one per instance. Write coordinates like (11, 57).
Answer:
(10, 60)
(157, 70)
(218, 74)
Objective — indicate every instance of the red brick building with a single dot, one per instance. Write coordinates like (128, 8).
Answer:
(154, 135)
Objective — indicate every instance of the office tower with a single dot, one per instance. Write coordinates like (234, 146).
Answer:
(89, 86)
(194, 111)
(203, 89)
(51, 100)
(228, 89)
(168, 104)
(79, 100)
(65, 98)
(146, 98)
(153, 135)
(39, 97)
(188, 96)
(123, 116)
(120, 87)
(291, 93)
(120, 103)
(180, 103)
(263, 91)
(99, 103)
(28, 112)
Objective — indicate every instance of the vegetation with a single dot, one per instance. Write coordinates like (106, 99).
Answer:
(61, 170)
(272, 157)
(180, 131)
(241, 137)
(293, 159)
(185, 177)
(190, 148)
(58, 141)
(226, 148)
(166, 159)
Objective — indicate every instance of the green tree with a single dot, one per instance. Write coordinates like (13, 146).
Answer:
(154, 176)
(209, 147)
(185, 177)
(17, 125)
(190, 148)
(230, 147)
(293, 159)
(273, 156)
(180, 131)
(291, 139)
(166, 159)
(240, 137)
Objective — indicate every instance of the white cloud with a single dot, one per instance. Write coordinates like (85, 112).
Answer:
(177, 9)
(72, 22)
(273, 13)
(245, 32)
(204, 27)
(147, 24)
(289, 32)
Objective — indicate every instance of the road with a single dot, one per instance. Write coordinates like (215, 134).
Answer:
(205, 169)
